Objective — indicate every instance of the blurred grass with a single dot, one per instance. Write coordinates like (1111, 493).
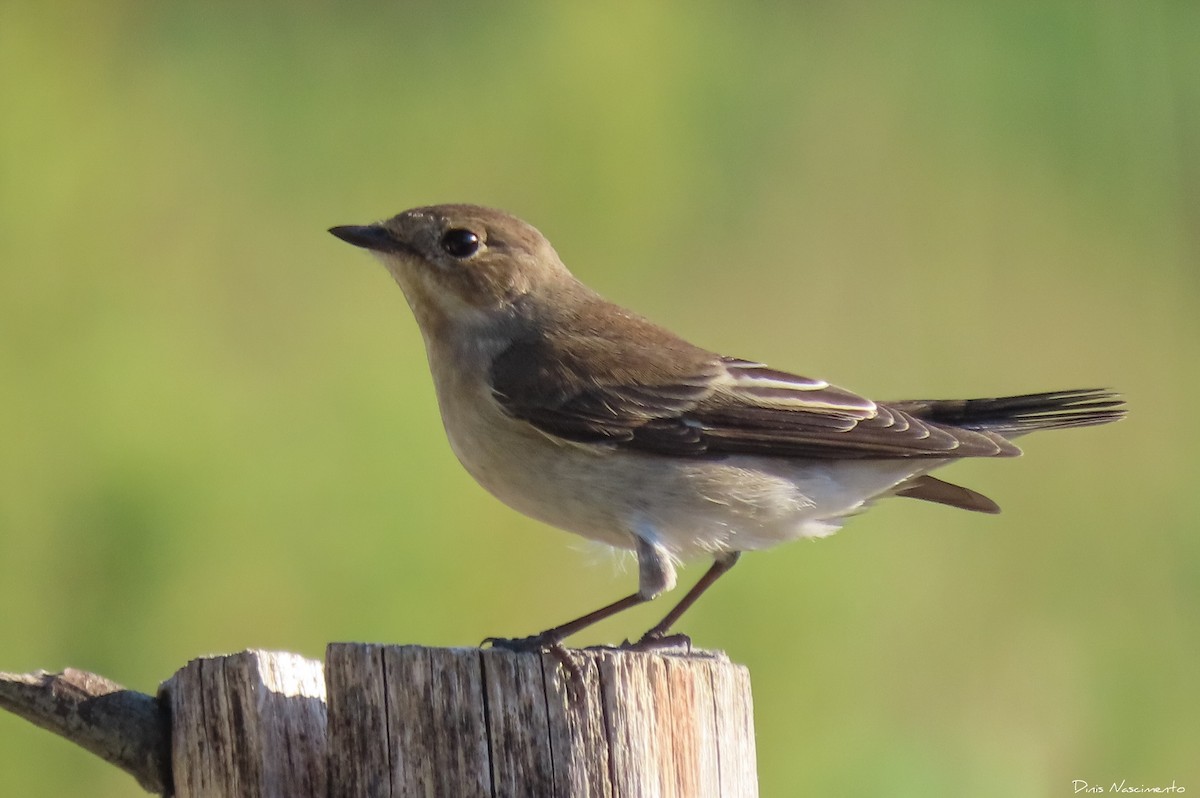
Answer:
(217, 430)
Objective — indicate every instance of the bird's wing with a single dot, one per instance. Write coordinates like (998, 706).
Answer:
(685, 401)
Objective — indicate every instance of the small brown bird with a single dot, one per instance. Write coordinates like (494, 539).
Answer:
(586, 416)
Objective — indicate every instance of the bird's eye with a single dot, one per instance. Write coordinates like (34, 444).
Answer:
(460, 243)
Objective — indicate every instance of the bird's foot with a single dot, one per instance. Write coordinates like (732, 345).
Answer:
(546, 644)
(524, 645)
(652, 641)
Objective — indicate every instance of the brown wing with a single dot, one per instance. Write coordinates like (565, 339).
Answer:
(649, 391)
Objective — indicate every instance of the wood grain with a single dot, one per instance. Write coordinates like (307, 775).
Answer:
(388, 721)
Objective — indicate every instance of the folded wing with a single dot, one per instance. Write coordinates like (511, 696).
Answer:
(685, 401)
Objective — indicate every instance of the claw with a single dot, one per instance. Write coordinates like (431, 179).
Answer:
(659, 642)
(545, 644)
(531, 644)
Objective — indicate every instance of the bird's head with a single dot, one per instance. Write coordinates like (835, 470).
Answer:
(460, 264)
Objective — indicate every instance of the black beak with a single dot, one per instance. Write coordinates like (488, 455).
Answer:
(368, 236)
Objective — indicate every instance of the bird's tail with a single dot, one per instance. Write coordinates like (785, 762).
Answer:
(1016, 415)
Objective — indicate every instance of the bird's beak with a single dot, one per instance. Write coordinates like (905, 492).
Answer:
(368, 236)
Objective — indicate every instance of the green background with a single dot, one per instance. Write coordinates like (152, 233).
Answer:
(217, 430)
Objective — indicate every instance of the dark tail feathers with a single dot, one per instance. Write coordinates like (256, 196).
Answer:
(1016, 415)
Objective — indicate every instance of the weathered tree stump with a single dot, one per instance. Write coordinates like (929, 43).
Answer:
(378, 720)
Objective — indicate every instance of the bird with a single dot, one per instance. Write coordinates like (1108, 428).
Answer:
(588, 417)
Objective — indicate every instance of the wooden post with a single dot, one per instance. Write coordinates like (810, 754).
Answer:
(380, 720)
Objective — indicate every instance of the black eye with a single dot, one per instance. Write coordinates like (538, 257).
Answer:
(460, 243)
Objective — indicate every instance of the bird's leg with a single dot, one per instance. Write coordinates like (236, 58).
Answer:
(657, 636)
(553, 637)
(656, 575)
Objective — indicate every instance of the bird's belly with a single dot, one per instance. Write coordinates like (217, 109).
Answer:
(561, 484)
